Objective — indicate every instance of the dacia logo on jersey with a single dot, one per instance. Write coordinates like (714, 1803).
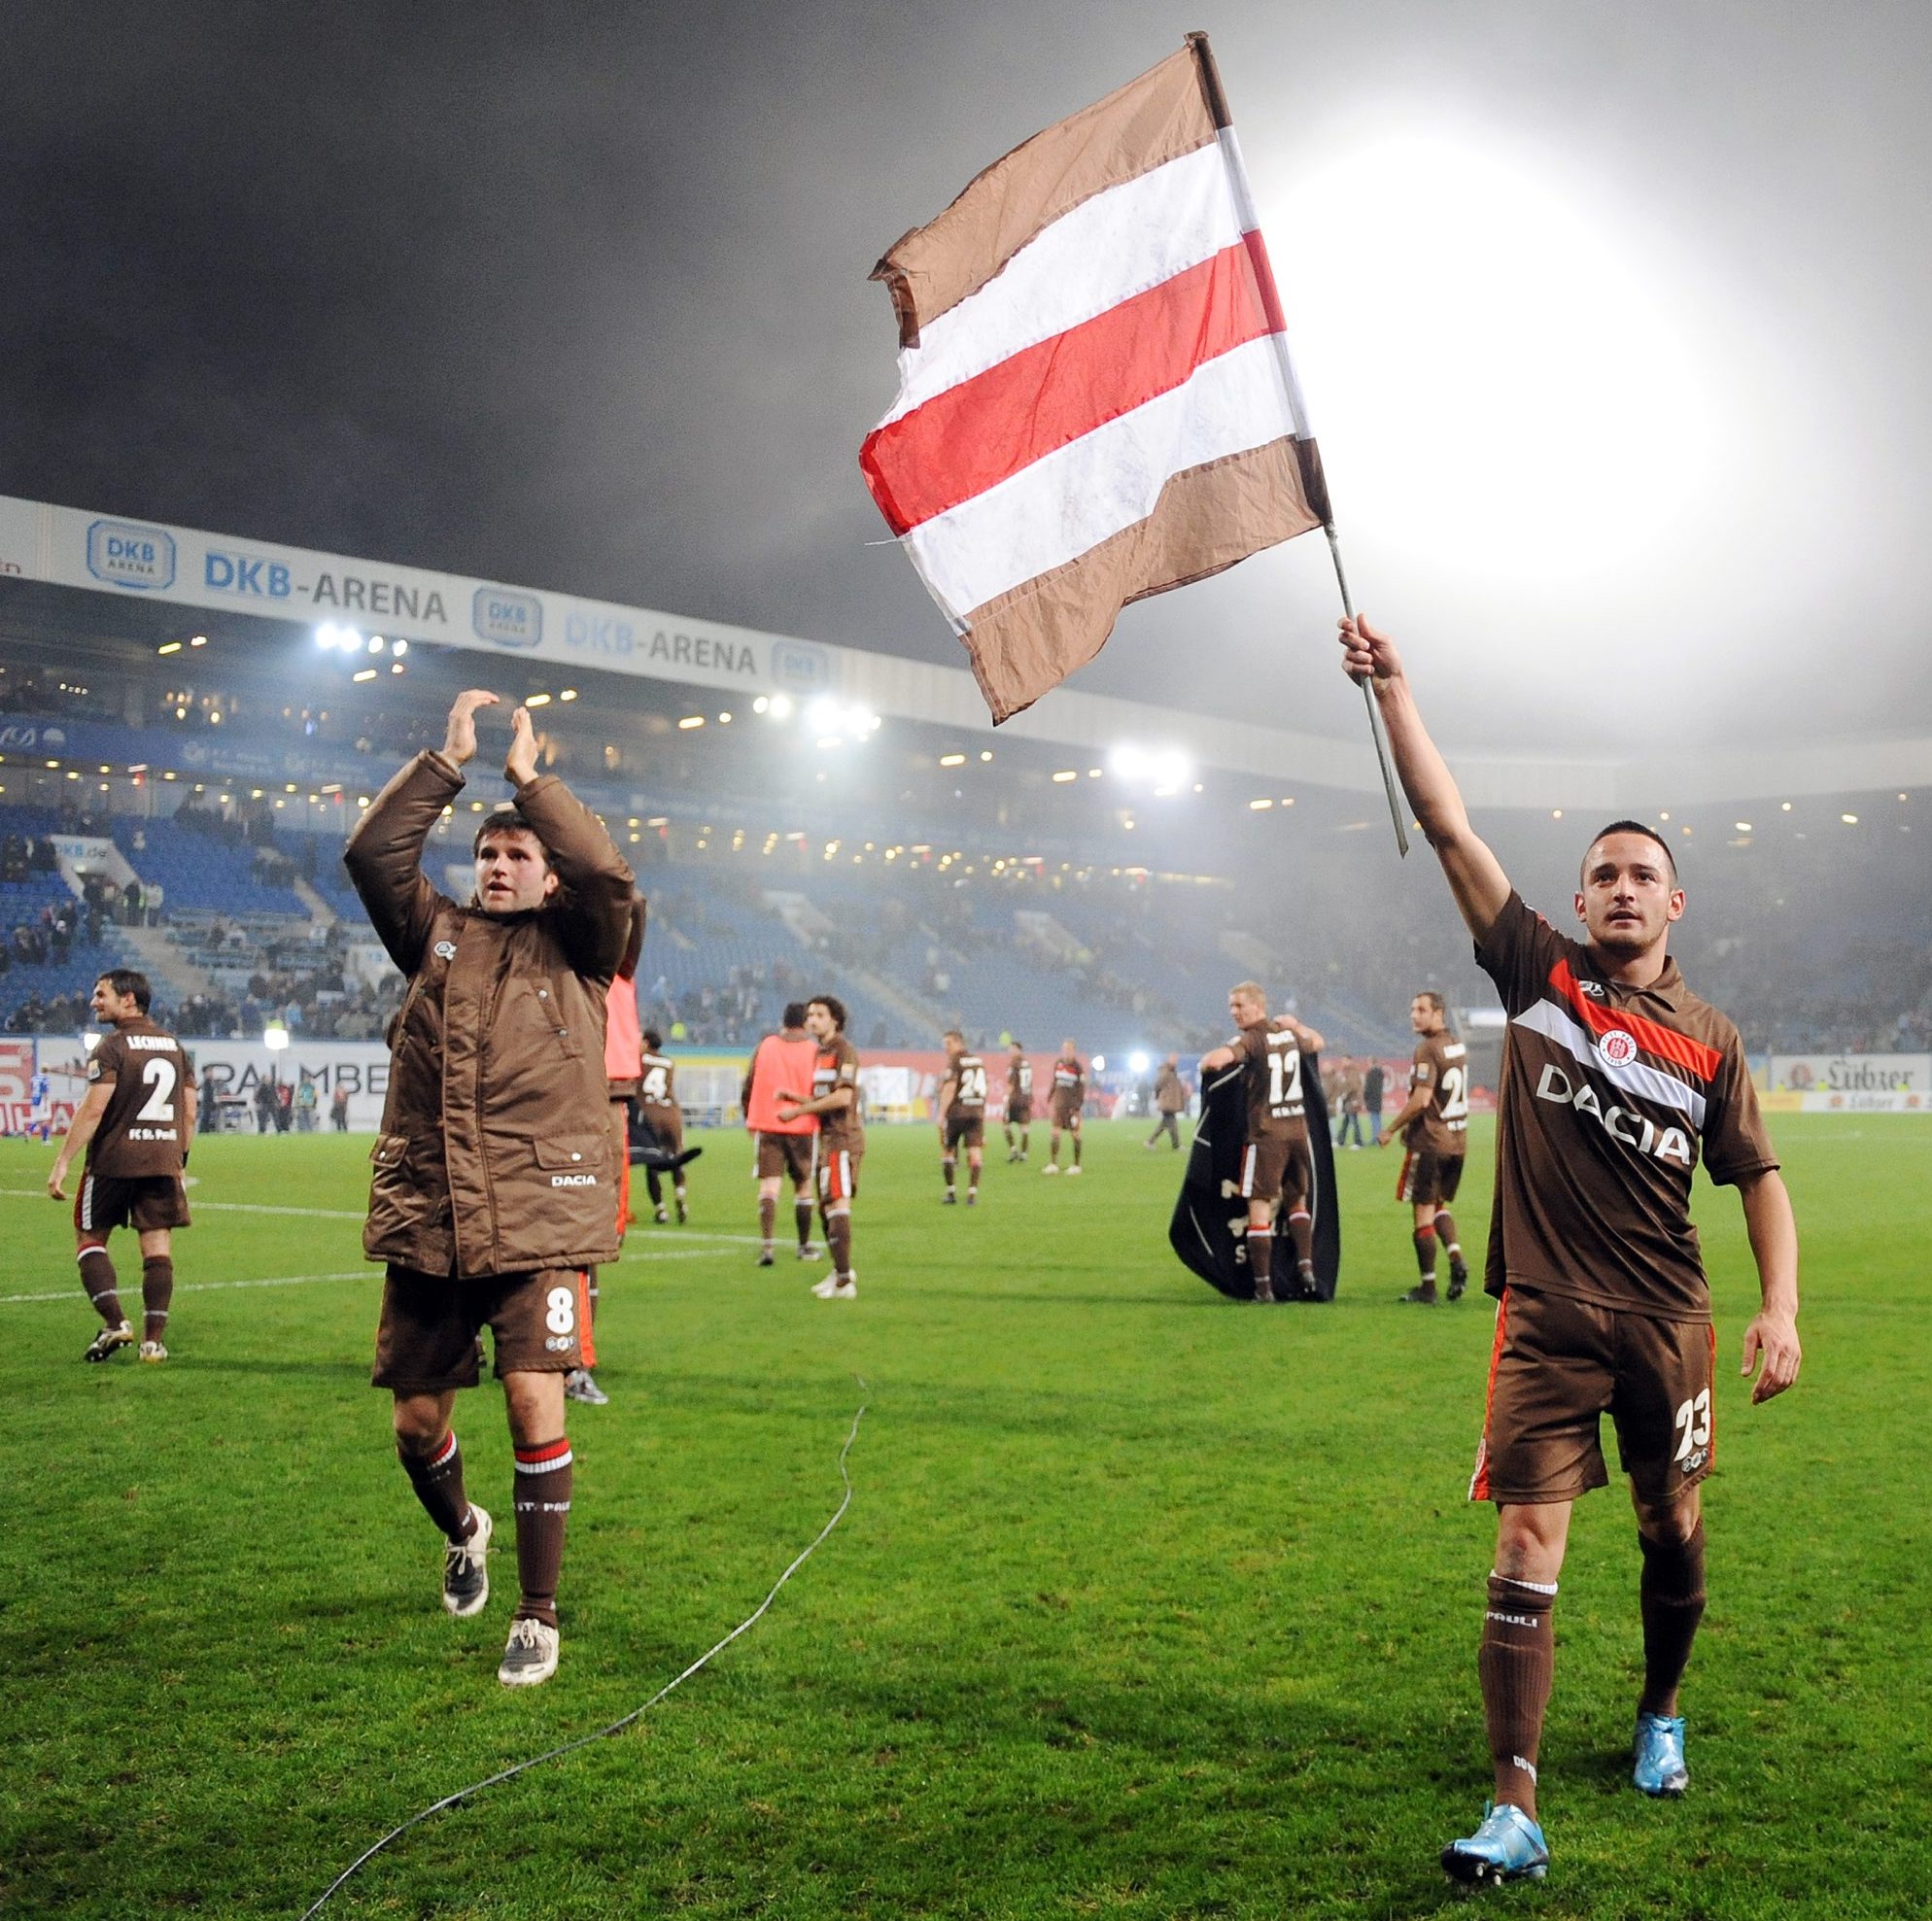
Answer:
(1620, 1123)
(445, 949)
(1617, 1046)
(574, 1181)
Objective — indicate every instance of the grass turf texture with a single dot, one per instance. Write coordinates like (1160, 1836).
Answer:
(1148, 1605)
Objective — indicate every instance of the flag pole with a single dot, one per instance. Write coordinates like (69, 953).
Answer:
(1307, 455)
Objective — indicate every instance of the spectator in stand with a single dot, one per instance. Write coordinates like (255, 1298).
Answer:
(338, 1107)
(1372, 1085)
(267, 1105)
(306, 1105)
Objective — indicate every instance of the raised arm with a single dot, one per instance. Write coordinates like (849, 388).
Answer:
(385, 853)
(1474, 875)
(596, 877)
(1305, 1037)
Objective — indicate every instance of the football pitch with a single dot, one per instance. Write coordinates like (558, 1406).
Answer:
(1147, 1604)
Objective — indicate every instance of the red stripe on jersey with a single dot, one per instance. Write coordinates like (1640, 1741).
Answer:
(1664, 1042)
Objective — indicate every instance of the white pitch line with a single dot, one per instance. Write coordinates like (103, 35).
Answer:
(222, 1207)
(206, 1287)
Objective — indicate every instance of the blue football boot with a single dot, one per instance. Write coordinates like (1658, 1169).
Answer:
(1659, 1755)
(1508, 1846)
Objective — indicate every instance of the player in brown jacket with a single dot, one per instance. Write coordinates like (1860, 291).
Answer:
(497, 1167)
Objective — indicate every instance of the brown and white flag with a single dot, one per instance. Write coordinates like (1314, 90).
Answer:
(1095, 399)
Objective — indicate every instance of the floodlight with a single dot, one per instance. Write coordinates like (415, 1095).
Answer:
(1100, 1063)
(275, 1037)
(1138, 1061)
(782, 707)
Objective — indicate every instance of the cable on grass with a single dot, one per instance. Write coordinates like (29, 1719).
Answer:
(616, 1727)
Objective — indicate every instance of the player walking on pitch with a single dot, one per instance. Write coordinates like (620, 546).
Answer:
(496, 1167)
(1615, 1076)
(1064, 1102)
(1018, 1100)
(134, 1126)
(961, 1103)
(781, 1061)
(1434, 1126)
(834, 1101)
(657, 1107)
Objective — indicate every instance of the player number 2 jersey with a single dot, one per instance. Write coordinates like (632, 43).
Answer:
(143, 1133)
(1609, 1096)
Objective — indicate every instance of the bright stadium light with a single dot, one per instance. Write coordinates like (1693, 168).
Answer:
(1162, 768)
(1100, 1063)
(1137, 1061)
(781, 707)
(275, 1037)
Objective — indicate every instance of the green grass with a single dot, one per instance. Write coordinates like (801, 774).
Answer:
(1147, 1604)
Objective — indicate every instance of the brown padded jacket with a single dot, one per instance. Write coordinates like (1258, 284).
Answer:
(498, 1153)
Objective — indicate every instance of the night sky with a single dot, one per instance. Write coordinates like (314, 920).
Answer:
(575, 297)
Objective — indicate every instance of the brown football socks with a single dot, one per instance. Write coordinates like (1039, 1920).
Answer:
(1671, 1594)
(1025, 1135)
(98, 1277)
(838, 1241)
(1076, 1150)
(157, 1294)
(1517, 1661)
(801, 1219)
(437, 1478)
(542, 1508)
(1445, 1232)
(767, 1218)
(1260, 1261)
(1424, 1257)
(946, 1167)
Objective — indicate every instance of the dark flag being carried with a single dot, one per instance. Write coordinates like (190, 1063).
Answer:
(1209, 1230)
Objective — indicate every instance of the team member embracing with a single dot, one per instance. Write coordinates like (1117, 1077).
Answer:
(496, 1167)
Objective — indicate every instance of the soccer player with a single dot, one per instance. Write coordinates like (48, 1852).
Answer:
(1349, 1086)
(1614, 1077)
(1018, 1100)
(1064, 1102)
(961, 1103)
(657, 1106)
(1170, 1100)
(834, 1101)
(496, 1169)
(781, 1061)
(134, 1126)
(1434, 1126)
(40, 1120)
(1276, 1168)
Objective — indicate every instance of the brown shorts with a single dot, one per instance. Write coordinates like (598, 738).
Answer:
(1428, 1180)
(427, 1339)
(1066, 1117)
(838, 1175)
(1275, 1167)
(965, 1130)
(795, 1155)
(667, 1126)
(1558, 1367)
(1018, 1113)
(145, 1203)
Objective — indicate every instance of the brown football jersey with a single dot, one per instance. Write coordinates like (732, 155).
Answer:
(968, 1075)
(141, 1134)
(1272, 1065)
(1608, 1094)
(841, 1131)
(656, 1088)
(1069, 1093)
(1443, 1127)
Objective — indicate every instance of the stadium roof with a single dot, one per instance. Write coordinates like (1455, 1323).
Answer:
(153, 566)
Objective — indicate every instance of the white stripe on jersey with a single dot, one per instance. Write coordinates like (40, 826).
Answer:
(1636, 1077)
